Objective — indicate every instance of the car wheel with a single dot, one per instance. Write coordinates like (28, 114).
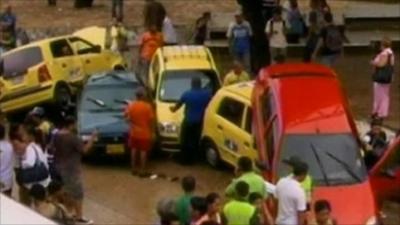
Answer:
(212, 155)
(62, 95)
(119, 68)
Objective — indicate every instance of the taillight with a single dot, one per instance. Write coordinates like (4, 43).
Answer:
(43, 74)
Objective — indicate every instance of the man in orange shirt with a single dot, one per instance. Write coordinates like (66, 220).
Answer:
(140, 114)
(149, 43)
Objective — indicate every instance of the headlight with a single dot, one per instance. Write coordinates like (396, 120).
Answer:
(168, 127)
(372, 221)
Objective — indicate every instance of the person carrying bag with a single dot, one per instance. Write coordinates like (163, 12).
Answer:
(383, 74)
(37, 173)
(382, 79)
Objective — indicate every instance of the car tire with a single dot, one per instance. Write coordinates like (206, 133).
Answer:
(119, 68)
(212, 155)
(62, 95)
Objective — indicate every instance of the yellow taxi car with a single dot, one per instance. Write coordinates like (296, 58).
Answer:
(227, 126)
(170, 73)
(49, 70)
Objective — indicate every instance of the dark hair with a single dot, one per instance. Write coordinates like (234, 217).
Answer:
(254, 196)
(210, 198)
(209, 222)
(322, 205)
(169, 218)
(245, 164)
(188, 184)
(313, 17)
(277, 11)
(196, 82)
(13, 133)
(206, 14)
(242, 189)
(54, 187)
(300, 169)
(2, 131)
(38, 192)
(68, 121)
(199, 204)
(328, 17)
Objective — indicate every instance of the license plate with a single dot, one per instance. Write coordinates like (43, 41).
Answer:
(115, 149)
(17, 80)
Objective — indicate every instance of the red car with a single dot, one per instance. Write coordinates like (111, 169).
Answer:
(300, 110)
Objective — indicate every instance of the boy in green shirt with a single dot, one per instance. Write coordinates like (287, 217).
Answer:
(183, 203)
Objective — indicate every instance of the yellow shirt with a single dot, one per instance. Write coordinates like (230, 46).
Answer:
(45, 127)
(232, 78)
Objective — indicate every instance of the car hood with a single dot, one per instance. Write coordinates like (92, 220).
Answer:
(351, 204)
(105, 123)
(164, 114)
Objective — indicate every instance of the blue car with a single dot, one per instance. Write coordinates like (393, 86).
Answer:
(101, 107)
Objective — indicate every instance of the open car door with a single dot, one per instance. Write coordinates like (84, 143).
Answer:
(385, 174)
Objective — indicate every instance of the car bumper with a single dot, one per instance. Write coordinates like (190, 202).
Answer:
(169, 144)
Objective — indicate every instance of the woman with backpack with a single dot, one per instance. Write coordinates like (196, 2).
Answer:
(384, 69)
(330, 43)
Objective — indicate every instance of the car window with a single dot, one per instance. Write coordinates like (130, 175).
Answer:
(175, 83)
(81, 46)
(60, 48)
(249, 120)
(333, 159)
(18, 63)
(232, 111)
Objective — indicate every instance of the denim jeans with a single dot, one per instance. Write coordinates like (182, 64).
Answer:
(329, 60)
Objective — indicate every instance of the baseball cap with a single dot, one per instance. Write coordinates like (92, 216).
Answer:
(300, 168)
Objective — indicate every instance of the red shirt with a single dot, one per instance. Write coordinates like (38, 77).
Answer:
(141, 115)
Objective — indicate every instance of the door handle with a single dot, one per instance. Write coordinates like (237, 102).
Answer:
(64, 65)
(87, 61)
(219, 127)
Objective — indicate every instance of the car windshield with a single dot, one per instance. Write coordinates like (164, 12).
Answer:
(175, 83)
(106, 99)
(333, 159)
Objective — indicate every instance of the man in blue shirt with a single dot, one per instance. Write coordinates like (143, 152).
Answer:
(195, 100)
(239, 34)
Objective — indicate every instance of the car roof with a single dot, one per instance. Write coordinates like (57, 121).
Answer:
(243, 89)
(112, 78)
(310, 97)
(37, 43)
(186, 57)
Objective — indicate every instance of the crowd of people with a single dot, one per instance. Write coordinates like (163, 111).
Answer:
(53, 152)
(46, 163)
(244, 201)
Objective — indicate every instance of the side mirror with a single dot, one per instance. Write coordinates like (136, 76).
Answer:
(261, 165)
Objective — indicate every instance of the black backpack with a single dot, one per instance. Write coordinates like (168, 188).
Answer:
(333, 39)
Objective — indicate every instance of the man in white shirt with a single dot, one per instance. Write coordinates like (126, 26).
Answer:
(292, 203)
(169, 32)
(275, 30)
(6, 163)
